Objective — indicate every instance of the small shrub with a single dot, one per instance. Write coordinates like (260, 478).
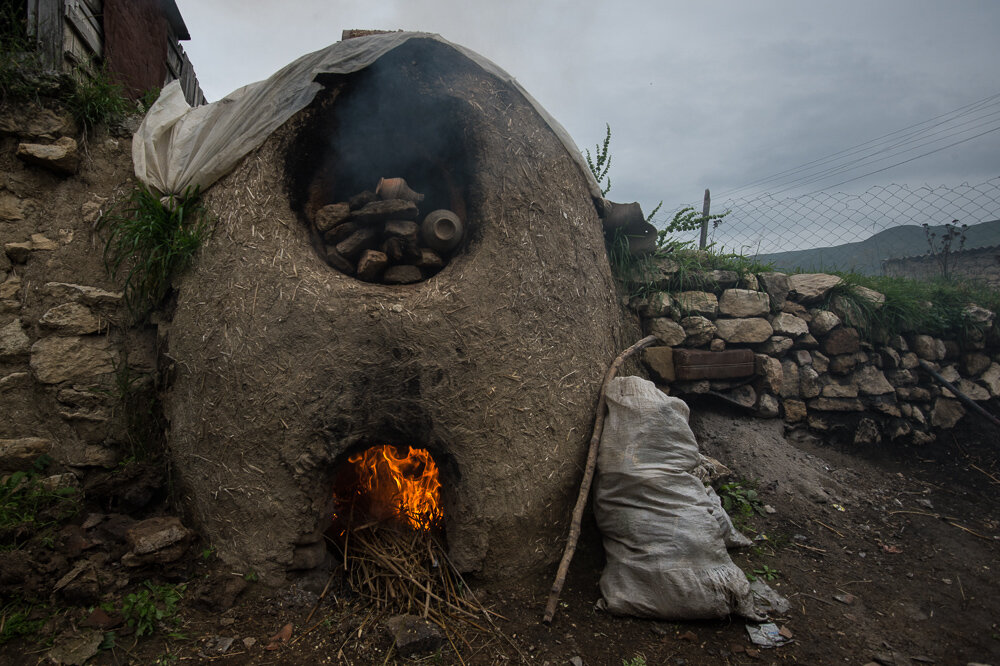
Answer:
(686, 219)
(18, 56)
(940, 249)
(150, 241)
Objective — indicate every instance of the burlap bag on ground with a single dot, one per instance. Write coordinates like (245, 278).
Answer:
(663, 534)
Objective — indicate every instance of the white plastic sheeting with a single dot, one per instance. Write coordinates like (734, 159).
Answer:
(177, 146)
(665, 534)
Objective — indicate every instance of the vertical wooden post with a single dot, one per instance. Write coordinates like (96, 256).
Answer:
(704, 225)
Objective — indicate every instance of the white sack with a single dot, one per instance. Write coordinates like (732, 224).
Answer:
(664, 534)
(178, 146)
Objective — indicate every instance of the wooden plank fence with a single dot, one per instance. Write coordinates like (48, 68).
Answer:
(70, 36)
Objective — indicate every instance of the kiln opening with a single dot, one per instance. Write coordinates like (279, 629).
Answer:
(381, 173)
(386, 486)
(387, 529)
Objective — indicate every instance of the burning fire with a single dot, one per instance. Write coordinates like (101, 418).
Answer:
(391, 486)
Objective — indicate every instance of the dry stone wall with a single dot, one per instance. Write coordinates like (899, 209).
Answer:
(61, 344)
(812, 366)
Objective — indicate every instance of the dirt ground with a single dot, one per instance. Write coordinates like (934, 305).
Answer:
(886, 556)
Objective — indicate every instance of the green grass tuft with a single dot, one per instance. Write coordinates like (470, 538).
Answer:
(932, 307)
(28, 509)
(149, 242)
(19, 618)
(97, 100)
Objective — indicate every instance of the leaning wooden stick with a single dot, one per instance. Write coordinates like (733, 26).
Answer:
(588, 478)
(958, 394)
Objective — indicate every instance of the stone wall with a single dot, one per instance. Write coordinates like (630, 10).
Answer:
(62, 346)
(982, 264)
(812, 367)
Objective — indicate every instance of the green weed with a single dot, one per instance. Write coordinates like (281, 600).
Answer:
(19, 619)
(600, 162)
(740, 501)
(148, 98)
(28, 509)
(138, 409)
(694, 265)
(146, 609)
(150, 241)
(97, 100)
(765, 572)
(638, 660)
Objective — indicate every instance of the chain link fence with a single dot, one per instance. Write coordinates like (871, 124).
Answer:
(838, 231)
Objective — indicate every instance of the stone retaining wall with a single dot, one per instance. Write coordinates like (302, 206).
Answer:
(62, 347)
(812, 365)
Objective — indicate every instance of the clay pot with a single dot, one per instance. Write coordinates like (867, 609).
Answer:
(442, 230)
(396, 188)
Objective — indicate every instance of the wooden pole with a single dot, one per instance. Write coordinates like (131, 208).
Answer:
(588, 478)
(704, 224)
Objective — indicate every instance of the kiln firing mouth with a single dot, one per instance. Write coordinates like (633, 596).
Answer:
(387, 485)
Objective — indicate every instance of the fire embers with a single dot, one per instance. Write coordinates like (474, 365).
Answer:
(375, 235)
(383, 485)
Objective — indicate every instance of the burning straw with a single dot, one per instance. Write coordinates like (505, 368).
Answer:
(394, 559)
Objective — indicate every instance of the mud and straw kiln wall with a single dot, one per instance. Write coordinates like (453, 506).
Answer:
(282, 364)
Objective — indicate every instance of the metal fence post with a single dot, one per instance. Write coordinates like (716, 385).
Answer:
(704, 223)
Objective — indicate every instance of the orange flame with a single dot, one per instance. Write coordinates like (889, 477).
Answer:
(401, 487)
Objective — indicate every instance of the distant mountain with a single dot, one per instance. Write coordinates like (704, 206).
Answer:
(866, 256)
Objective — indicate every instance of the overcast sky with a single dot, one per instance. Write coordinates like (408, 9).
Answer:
(698, 94)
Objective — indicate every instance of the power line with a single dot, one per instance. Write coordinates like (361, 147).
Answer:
(941, 119)
(808, 174)
(930, 152)
(892, 152)
(957, 113)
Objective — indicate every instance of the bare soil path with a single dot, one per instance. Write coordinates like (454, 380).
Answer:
(886, 556)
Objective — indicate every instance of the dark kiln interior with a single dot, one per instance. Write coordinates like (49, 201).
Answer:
(387, 121)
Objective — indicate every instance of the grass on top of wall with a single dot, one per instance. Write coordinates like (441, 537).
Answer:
(937, 307)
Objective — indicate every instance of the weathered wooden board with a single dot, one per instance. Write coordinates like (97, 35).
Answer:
(691, 364)
(80, 17)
